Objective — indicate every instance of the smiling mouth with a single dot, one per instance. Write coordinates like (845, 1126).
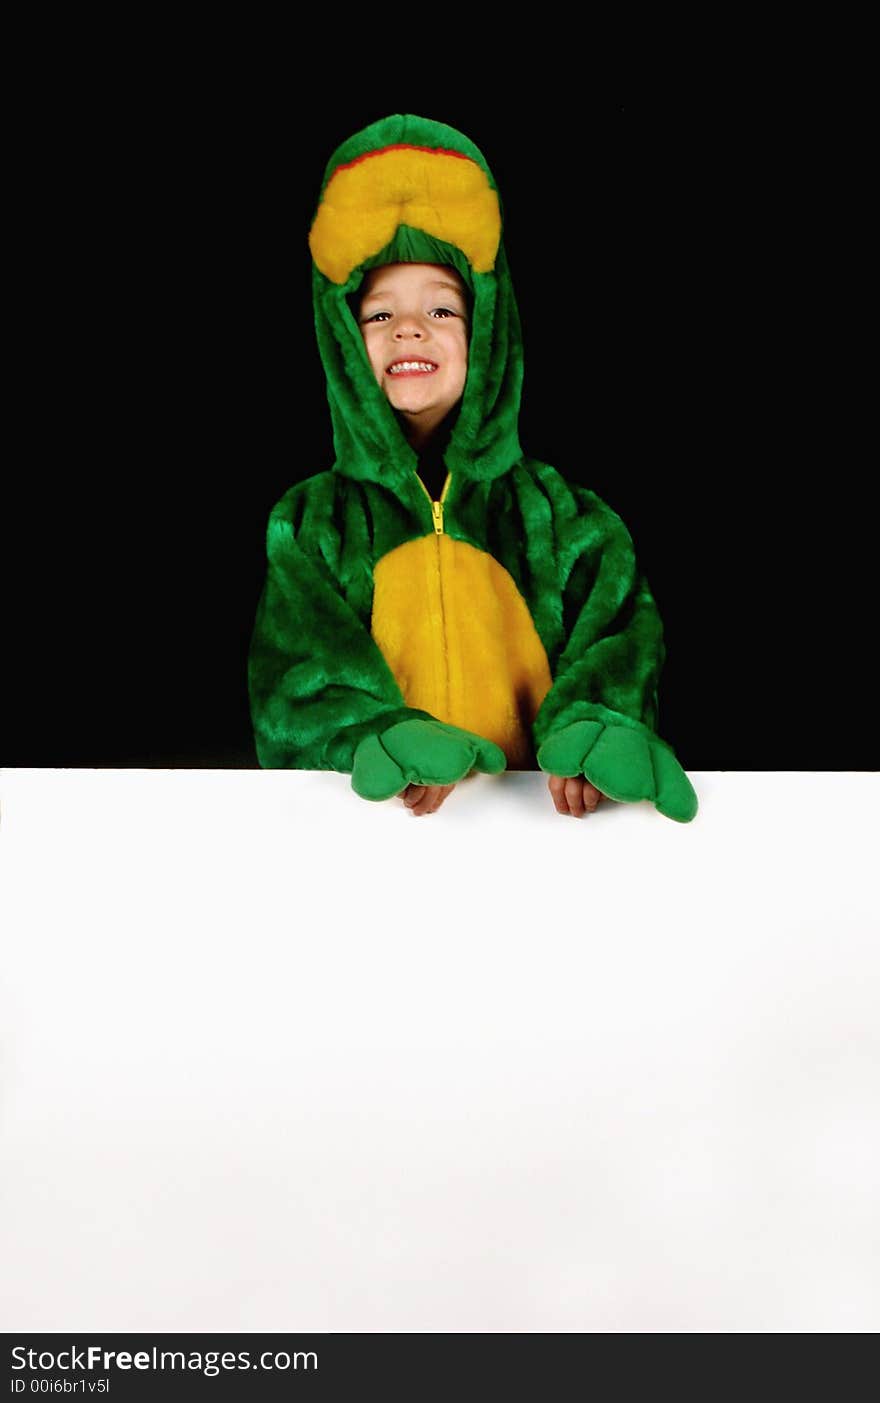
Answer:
(411, 367)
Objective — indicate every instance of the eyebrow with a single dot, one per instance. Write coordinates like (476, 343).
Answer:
(435, 282)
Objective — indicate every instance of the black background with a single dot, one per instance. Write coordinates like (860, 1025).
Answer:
(680, 359)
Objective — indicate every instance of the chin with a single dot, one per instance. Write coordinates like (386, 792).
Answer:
(414, 406)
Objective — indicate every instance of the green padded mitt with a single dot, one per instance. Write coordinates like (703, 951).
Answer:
(626, 762)
(420, 752)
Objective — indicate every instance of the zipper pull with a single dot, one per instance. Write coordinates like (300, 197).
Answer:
(437, 511)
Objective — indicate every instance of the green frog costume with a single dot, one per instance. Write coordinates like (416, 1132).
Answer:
(402, 639)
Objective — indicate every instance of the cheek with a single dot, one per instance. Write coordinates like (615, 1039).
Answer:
(374, 354)
(455, 344)
(461, 358)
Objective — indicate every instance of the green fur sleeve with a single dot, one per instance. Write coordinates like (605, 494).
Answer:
(599, 717)
(318, 683)
(613, 649)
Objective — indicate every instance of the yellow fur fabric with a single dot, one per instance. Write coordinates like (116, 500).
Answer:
(460, 640)
(448, 196)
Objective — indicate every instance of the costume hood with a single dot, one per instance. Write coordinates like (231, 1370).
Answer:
(407, 189)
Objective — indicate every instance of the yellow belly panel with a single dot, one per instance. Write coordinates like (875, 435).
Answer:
(460, 640)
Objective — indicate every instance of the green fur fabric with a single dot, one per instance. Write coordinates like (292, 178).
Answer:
(319, 685)
(420, 752)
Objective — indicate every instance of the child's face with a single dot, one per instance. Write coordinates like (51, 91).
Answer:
(416, 312)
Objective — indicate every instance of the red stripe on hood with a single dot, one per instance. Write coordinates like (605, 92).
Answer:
(401, 146)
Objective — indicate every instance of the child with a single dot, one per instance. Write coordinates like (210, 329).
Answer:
(438, 603)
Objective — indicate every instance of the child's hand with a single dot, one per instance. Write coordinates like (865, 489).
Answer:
(574, 796)
(425, 798)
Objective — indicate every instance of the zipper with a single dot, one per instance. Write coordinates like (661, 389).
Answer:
(437, 507)
(437, 518)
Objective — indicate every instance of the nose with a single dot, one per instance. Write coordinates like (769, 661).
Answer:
(407, 326)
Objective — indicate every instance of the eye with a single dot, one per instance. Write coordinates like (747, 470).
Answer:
(439, 312)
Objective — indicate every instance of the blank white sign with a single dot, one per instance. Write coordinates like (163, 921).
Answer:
(273, 1058)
